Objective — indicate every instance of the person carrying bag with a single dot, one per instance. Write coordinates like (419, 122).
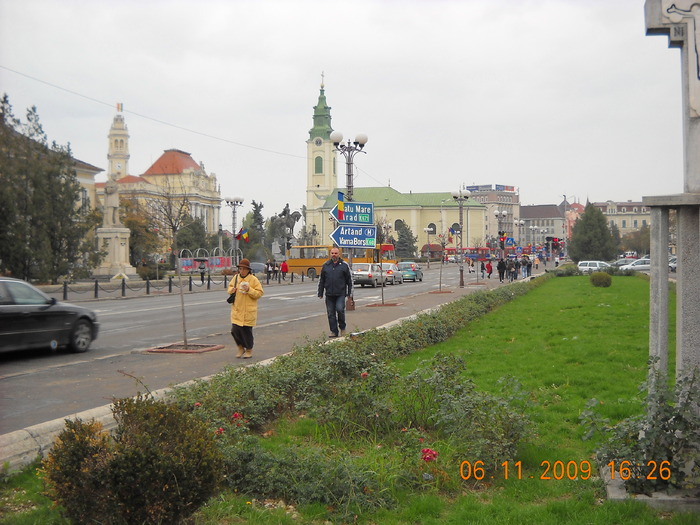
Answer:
(246, 290)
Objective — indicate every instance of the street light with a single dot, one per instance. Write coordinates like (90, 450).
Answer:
(348, 151)
(428, 231)
(234, 202)
(519, 226)
(461, 197)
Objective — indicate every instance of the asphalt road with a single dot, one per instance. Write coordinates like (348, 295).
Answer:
(41, 386)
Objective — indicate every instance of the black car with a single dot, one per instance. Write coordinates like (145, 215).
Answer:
(31, 319)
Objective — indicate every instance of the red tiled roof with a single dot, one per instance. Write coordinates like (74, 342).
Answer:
(131, 179)
(172, 161)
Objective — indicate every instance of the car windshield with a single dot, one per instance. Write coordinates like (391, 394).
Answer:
(359, 267)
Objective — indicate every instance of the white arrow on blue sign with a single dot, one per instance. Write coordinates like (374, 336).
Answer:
(355, 236)
(355, 213)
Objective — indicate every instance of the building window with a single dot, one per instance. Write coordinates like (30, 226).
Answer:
(635, 223)
(318, 165)
(623, 210)
(432, 228)
(644, 223)
(624, 223)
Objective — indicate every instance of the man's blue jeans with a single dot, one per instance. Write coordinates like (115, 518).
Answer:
(335, 307)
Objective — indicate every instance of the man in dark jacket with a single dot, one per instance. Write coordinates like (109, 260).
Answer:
(336, 282)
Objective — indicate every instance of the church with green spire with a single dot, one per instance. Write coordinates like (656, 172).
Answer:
(437, 211)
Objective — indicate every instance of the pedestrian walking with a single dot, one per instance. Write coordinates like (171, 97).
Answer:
(269, 268)
(202, 270)
(501, 267)
(510, 268)
(336, 282)
(489, 268)
(284, 269)
(483, 269)
(244, 310)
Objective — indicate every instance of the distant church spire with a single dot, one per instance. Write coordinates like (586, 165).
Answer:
(322, 115)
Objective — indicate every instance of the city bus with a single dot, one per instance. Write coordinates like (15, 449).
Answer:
(308, 260)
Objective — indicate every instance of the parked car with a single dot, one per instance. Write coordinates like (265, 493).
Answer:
(411, 271)
(621, 262)
(368, 273)
(592, 266)
(672, 263)
(257, 268)
(392, 272)
(640, 265)
(31, 319)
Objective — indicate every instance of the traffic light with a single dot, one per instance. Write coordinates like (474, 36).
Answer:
(555, 243)
(502, 239)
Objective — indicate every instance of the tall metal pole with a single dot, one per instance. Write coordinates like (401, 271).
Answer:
(234, 202)
(461, 196)
(349, 151)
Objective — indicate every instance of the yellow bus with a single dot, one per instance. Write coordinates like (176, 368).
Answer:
(308, 260)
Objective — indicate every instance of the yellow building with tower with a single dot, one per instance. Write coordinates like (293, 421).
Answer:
(437, 211)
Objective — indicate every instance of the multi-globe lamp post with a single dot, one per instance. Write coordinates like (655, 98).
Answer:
(234, 202)
(461, 196)
(349, 151)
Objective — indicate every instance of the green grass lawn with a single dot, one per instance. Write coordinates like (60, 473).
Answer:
(562, 344)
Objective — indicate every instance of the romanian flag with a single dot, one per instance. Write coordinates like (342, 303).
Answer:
(243, 234)
(120, 107)
(452, 231)
(341, 206)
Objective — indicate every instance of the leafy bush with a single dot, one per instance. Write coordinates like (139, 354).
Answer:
(161, 465)
(601, 279)
(667, 432)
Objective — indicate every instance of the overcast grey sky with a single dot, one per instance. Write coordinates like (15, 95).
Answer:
(554, 97)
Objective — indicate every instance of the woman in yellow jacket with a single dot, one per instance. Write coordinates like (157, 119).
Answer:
(244, 310)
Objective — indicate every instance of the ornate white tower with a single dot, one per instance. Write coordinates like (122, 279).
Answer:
(118, 151)
(113, 237)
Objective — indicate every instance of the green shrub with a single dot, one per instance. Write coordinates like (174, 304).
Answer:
(664, 439)
(160, 467)
(601, 279)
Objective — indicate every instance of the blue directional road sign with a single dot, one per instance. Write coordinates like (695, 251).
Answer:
(355, 213)
(355, 236)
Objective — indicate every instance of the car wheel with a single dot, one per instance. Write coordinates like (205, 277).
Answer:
(374, 283)
(81, 336)
(362, 285)
(311, 273)
(421, 278)
(393, 282)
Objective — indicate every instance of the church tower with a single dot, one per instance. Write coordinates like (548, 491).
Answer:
(118, 151)
(321, 176)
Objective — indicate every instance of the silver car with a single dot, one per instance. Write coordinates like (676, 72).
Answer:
(592, 266)
(640, 265)
(368, 273)
(392, 273)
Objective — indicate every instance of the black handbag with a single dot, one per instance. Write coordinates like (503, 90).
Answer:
(232, 297)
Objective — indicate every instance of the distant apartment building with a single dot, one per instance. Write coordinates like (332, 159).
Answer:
(629, 216)
(502, 209)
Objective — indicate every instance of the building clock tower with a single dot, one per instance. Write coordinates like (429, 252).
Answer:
(118, 151)
(322, 176)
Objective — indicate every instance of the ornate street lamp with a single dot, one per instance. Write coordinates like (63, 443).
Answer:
(461, 196)
(349, 151)
(234, 202)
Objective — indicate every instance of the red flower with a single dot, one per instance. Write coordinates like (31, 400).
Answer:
(429, 454)
(420, 440)
(198, 404)
(364, 375)
(219, 431)
(236, 415)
